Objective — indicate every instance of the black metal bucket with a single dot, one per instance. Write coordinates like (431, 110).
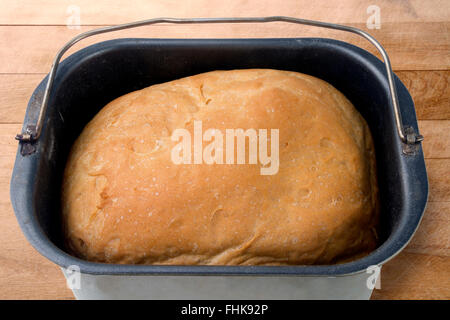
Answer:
(92, 77)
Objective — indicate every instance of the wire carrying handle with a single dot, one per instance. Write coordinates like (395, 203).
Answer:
(32, 132)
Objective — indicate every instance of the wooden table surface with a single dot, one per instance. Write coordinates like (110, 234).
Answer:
(416, 35)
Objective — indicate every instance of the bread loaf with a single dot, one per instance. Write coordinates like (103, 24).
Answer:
(125, 200)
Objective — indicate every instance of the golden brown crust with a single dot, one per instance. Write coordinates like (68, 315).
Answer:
(124, 201)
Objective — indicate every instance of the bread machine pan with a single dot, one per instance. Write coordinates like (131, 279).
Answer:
(90, 78)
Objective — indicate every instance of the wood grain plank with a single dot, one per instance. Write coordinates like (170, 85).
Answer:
(8, 147)
(439, 179)
(433, 235)
(437, 138)
(411, 46)
(430, 91)
(121, 11)
(24, 273)
(15, 91)
(415, 276)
